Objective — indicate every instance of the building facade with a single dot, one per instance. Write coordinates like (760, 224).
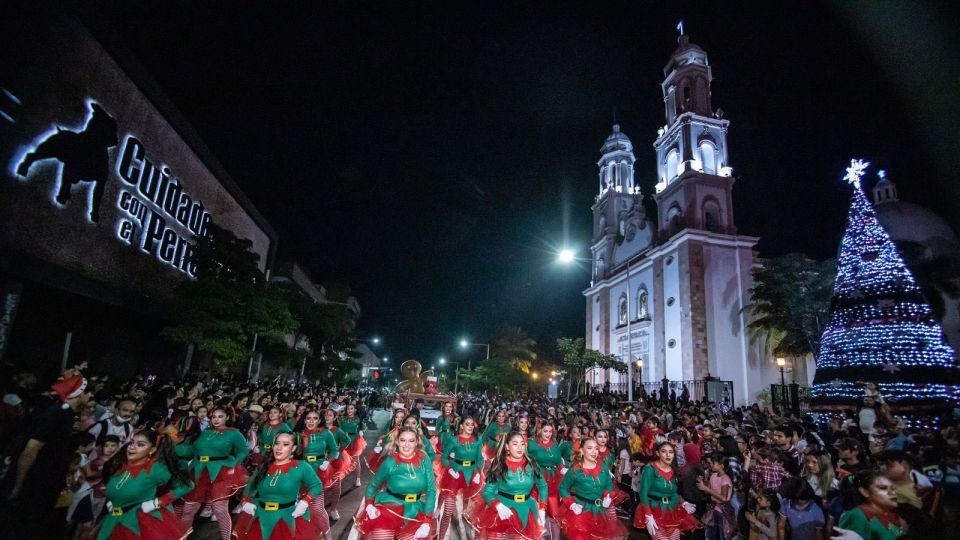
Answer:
(668, 291)
(103, 189)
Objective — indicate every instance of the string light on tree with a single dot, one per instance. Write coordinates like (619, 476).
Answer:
(881, 328)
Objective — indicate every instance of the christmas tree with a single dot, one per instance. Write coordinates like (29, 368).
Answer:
(881, 328)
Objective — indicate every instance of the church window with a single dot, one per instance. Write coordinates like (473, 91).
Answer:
(708, 157)
(603, 225)
(672, 343)
(622, 310)
(669, 260)
(642, 311)
(711, 215)
(673, 219)
(670, 301)
(601, 268)
(672, 164)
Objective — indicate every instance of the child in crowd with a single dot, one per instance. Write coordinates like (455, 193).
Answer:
(720, 519)
(800, 512)
(764, 521)
(90, 496)
(768, 472)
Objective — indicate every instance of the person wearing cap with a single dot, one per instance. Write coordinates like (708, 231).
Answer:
(42, 463)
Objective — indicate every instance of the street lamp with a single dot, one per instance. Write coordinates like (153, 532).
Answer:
(464, 343)
(565, 256)
(456, 376)
(534, 375)
(782, 363)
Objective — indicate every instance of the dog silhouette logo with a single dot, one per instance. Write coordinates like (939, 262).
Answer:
(84, 156)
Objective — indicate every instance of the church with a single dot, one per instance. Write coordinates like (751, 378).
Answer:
(667, 294)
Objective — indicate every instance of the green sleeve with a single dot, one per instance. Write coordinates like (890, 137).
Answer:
(488, 433)
(382, 473)
(428, 448)
(240, 448)
(310, 479)
(447, 450)
(565, 450)
(646, 478)
(250, 488)
(541, 488)
(333, 451)
(431, 500)
(180, 488)
(565, 484)
(856, 521)
(490, 491)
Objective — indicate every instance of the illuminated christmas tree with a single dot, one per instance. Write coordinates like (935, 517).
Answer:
(881, 328)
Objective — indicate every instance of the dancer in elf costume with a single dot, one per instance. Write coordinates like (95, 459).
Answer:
(511, 504)
(135, 475)
(523, 426)
(268, 431)
(401, 497)
(320, 453)
(571, 446)
(340, 464)
(606, 457)
(661, 510)
(875, 518)
(462, 477)
(494, 432)
(276, 503)
(651, 430)
(546, 452)
(375, 458)
(351, 426)
(414, 422)
(218, 471)
(586, 493)
(447, 424)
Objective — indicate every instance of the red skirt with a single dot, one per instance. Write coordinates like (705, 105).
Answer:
(553, 480)
(247, 527)
(677, 518)
(337, 470)
(150, 527)
(487, 522)
(356, 448)
(374, 460)
(391, 519)
(453, 485)
(590, 526)
(227, 483)
(489, 452)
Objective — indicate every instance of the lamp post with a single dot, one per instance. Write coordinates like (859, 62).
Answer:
(464, 344)
(782, 363)
(456, 376)
(640, 370)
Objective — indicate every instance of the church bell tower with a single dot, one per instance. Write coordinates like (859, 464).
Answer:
(694, 177)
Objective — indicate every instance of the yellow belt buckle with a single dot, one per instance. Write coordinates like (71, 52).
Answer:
(267, 446)
(311, 459)
(271, 506)
(117, 511)
(411, 498)
(204, 459)
(519, 498)
(665, 500)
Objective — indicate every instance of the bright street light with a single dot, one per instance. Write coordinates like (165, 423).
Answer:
(534, 375)
(443, 360)
(376, 341)
(464, 344)
(565, 256)
(385, 359)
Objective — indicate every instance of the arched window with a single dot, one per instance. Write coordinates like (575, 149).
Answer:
(708, 157)
(602, 227)
(601, 268)
(622, 310)
(673, 162)
(642, 311)
(711, 215)
(673, 218)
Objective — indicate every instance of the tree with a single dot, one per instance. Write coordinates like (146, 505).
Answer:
(577, 359)
(789, 305)
(229, 301)
(516, 347)
(881, 328)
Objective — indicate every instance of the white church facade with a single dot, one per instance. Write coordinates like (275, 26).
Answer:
(667, 295)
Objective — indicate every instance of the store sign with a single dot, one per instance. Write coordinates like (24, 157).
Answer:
(157, 215)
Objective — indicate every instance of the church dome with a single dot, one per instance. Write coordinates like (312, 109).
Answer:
(909, 223)
(617, 141)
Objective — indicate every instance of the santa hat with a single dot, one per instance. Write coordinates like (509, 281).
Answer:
(71, 387)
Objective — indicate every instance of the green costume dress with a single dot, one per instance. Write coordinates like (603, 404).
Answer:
(871, 525)
(320, 446)
(523, 491)
(133, 485)
(275, 497)
(464, 455)
(404, 492)
(491, 438)
(267, 433)
(588, 488)
(567, 449)
(218, 452)
(660, 498)
(548, 457)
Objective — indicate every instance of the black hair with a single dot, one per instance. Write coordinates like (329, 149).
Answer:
(110, 438)
(164, 454)
(797, 488)
(787, 429)
(771, 495)
(728, 445)
(268, 460)
(850, 488)
(498, 468)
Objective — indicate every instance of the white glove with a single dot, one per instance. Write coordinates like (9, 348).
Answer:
(689, 507)
(607, 501)
(542, 517)
(453, 473)
(377, 449)
(372, 512)
(249, 508)
(503, 511)
(422, 531)
(360, 433)
(324, 466)
(564, 470)
(652, 526)
(300, 509)
(148, 506)
(845, 534)
(576, 508)
(476, 478)
(109, 506)
(438, 513)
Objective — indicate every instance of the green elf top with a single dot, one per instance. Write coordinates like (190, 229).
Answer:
(216, 449)
(276, 495)
(406, 482)
(134, 485)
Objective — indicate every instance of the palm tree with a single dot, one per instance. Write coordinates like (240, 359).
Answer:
(516, 347)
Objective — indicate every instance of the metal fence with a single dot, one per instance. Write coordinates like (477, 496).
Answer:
(712, 390)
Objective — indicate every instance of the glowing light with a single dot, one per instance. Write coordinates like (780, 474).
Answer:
(856, 171)
(566, 256)
(661, 185)
(464, 344)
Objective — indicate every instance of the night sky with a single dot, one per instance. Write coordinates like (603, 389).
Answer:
(435, 156)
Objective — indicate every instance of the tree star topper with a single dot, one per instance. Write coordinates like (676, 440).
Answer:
(855, 171)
